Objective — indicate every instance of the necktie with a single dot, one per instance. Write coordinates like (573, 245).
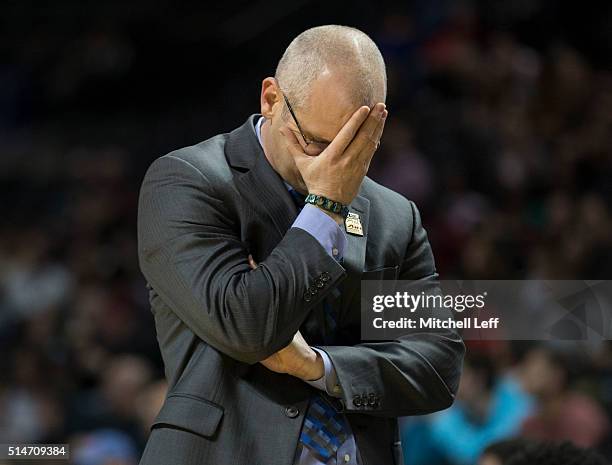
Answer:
(324, 429)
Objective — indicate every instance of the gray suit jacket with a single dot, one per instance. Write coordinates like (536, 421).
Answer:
(202, 210)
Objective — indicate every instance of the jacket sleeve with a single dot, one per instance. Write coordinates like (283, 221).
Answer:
(192, 256)
(415, 374)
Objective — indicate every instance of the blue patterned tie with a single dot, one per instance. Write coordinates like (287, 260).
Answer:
(324, 429)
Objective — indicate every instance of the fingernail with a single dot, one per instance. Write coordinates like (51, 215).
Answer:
(385, 113)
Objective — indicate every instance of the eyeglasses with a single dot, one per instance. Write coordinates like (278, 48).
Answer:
(316, 145)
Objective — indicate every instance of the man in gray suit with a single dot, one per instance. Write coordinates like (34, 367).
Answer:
(254, 244)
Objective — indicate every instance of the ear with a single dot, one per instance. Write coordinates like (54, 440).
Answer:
(270, 96)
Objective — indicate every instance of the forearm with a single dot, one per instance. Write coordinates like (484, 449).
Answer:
(191, 257)
(248, 314)
(415, 374)
(410, 376)
(329, 381)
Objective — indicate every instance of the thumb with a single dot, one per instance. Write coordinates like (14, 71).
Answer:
(295, 149)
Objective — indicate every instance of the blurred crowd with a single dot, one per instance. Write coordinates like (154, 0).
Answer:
(503, 141)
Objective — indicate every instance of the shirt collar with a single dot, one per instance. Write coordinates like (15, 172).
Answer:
(260, 121)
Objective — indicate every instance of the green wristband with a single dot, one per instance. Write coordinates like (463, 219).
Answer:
(327, 204)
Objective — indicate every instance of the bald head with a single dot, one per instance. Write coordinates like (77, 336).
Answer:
(341, 50)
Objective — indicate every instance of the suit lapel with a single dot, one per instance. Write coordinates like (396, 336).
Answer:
(355, 254)
(258, 184)
(265, 193)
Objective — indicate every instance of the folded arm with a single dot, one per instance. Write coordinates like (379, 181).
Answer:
(415, 374)
(192, 256)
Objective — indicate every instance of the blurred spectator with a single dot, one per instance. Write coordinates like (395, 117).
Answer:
(104, 447)
(524, 452)
(562, 413)
(114, 403)
(148, 404)
(500, 129)
(488, 408)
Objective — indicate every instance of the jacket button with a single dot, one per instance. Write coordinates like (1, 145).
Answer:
(357, 400)
(307, 296)
(373, 400)
(319, 283)
(313, 290)
(325, 276)
(292, 412)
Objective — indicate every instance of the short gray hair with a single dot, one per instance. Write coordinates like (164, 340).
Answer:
(333, 46)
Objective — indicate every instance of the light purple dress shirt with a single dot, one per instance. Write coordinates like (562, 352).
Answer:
(333, 239)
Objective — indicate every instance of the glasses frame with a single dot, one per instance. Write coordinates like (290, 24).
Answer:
(318, 145)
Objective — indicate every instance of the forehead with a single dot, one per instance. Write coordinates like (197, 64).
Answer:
(330, 105)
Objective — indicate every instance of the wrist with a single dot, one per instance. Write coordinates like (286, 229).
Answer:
(315, 368)
(334, 196)
(328, 205)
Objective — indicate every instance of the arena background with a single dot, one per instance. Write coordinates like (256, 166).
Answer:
(500, 129)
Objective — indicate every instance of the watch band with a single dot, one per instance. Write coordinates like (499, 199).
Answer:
(327, 204)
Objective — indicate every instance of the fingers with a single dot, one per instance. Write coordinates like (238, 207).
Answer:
(294, 148)
(374, 119)
(377, 134)
(293, 145)
(369, 154)
(367, 142)
(367, 133)
(252, 263)
(348, 131)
